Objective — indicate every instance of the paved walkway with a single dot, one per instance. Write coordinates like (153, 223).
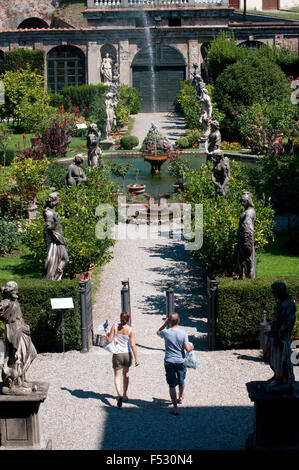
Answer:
(80, 411)
(171, 125)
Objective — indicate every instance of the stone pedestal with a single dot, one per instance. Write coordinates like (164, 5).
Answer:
(19, 422)
(276, 418)
(107, 144)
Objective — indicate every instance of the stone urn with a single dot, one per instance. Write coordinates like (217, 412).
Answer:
(136, 188)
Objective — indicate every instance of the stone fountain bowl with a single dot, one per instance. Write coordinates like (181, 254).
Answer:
(136, 188)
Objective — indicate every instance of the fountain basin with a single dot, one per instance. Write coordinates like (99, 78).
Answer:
(136, 188)
(156, 161)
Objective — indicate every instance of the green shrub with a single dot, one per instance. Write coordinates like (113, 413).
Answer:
(82, 96)
(9, 236)
(130, 98)
(56, 176)
(19, 59)
(122, 113)
(56, 100)
(182, 142)
(241, 305)
(188, 104)
(249, 81)
(45, 323)
(98, 112)
(128, 142)
(10, 154)
(221, 217)
(193, 137)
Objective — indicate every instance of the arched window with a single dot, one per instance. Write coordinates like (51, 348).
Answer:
(251, 44)
(66, 67)
(33, 23)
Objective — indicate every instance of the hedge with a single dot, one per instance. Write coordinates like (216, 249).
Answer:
(128, 142)
(45, 323)
(82, 96)
(20, 58)
(240, 308)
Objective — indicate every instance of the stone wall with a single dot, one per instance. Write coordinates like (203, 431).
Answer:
(13, 12)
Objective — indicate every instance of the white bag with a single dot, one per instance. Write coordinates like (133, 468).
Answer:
(190, 360)
(111, 347)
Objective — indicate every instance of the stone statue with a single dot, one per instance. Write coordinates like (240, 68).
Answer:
(154, 141)
(19, 349)
(110, 103)
(197, 81)
(245, 247)
(75, 174)
(206, 112)
(213, 141)
(221, 173)
(278, 348)
(116, 75)
(57, 256)
(94, 151)
(106, 69)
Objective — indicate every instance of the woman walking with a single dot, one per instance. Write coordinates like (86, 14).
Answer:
(122, 359)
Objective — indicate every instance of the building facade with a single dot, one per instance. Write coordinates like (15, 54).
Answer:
(151, 40)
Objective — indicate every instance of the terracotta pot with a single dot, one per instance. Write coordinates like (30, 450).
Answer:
(85, 275)
(136, 188)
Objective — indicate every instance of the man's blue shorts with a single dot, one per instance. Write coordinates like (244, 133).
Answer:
(175, 373)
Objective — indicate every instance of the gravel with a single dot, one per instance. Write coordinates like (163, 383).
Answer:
(80, 411)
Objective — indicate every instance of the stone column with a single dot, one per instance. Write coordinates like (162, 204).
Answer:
(124, 65)
(193, 55)
(94, 62)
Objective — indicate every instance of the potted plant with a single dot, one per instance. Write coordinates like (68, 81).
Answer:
(178, 168)
(136, 188)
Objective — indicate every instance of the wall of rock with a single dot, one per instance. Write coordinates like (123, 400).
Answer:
(13, 12)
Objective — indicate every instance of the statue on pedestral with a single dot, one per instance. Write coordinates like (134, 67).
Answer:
(110, 103)
(245, 247)
(94, 151)
(19, 349)
(206, 112)
(106, 69)
(278, 349)
(75, 174)
(221, 173)
(57, 256)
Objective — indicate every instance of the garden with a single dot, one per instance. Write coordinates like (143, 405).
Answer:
(253, 101)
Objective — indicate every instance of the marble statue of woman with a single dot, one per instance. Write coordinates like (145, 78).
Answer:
(110, 103)
(206, 112)
(278, 348)
(19, 349)
(245, 247)
(75, 175)
(221, 173)
(213, 141)
(57, 256)
(106, 69)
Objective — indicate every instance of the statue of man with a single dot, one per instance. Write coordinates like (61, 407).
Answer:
(245, 247)
(278, 349)
(94, 151)
(57, 256)
(206, 112)
(221, 173)
(75, 174)
(106, 69)
(19, 349)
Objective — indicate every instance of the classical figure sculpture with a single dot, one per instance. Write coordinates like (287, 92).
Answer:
(197, 81)
(221, 173)
(57, 256)
(19, 349)
(116, 75)
(278, 348)
(245, 247)
(213, 141)
(206, 112)
(94, 151)
(75, 175)
(106, 69)
(110, 103)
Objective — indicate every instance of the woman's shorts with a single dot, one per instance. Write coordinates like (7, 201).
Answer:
(121, 360)
(175, 373)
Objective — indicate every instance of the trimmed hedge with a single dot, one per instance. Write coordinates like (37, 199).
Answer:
(82, 96)
(45, 323)
(241, 305)
(22, 58)
(128, 142)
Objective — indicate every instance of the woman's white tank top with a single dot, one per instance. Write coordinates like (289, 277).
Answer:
(123, 342)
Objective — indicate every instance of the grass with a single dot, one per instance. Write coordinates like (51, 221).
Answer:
(278, 259)
(19, 265)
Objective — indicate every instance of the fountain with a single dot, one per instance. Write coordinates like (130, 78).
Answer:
(149, 41)
(155, 149)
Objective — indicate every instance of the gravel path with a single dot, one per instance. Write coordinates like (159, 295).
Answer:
(80, 411)
(171, 125)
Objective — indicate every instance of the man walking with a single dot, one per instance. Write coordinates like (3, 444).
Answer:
(176, 343)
